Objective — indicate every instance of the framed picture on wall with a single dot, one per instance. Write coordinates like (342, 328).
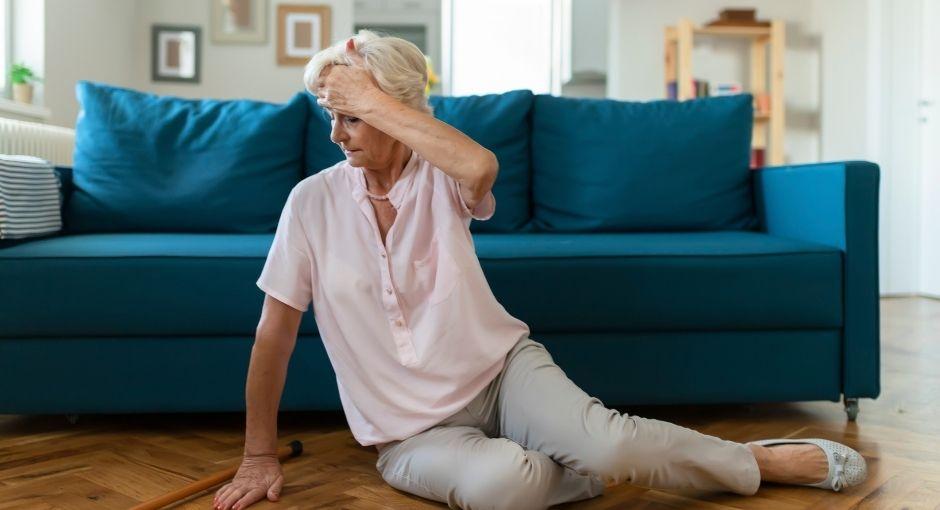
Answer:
(175, 53)
(302, 30)
(239, 21)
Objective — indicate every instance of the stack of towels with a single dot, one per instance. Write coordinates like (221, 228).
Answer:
(30, 197)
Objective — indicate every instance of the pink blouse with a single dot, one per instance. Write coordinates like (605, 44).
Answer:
(413, 331)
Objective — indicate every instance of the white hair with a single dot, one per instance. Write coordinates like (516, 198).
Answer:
(397, 65)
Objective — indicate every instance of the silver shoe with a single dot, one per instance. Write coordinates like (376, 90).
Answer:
(847, 467)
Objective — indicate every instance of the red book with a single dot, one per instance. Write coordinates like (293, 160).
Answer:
(757, 157)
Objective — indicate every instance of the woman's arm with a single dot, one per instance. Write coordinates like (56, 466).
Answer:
(352, 91)
(260, 474)
(275, 338)
(456, 154)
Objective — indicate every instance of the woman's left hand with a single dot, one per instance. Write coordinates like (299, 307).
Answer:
(348, 89)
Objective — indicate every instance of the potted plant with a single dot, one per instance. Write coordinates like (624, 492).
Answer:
(23, 78)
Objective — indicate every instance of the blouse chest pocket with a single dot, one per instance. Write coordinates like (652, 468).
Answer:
(437, 274)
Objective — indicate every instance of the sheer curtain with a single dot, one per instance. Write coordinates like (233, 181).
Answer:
(499, 45)
(4, 47)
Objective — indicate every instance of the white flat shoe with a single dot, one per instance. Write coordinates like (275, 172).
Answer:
(847, 467)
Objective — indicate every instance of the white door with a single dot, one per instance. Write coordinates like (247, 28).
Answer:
(930, 150)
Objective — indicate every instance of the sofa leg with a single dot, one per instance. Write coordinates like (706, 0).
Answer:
(851, 408)
(72, 418)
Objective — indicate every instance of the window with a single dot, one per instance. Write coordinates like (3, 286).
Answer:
(5, 46)
(500, 45)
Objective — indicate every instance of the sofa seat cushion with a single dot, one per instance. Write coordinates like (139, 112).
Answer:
(203, 284)
(725, 280)
(134, 284)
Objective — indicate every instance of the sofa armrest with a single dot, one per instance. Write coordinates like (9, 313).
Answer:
(836, 204)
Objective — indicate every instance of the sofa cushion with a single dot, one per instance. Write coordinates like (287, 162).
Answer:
(499, 122)
(159, 163)
(135, 284)
(689, 281)
(502, 124)
(189, 284)
(608, 165)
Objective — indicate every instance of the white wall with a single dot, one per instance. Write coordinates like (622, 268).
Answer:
(230, 70)
(844, 28)
(109, 41)
(589, 35)
(636, 58)
(87, 39)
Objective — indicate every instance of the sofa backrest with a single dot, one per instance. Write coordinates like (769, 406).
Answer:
(609, 165)
(148, 163)
(160, 163)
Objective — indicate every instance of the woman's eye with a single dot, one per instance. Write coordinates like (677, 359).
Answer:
(352, 119)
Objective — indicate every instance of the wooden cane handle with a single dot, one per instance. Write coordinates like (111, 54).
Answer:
(292, 449)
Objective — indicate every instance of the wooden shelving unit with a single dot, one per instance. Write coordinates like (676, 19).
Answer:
(767, 47)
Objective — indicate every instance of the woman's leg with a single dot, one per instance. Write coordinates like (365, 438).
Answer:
(461, 466)
(540, 408)
(791, 463)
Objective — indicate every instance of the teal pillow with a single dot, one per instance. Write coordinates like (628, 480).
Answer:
(608, 165)
(499, 122)
(502, 124)
(158, 163)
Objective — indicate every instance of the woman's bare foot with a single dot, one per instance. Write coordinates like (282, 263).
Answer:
(791, 463)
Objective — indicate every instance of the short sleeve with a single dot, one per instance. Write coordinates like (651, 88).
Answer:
(482, 211)
(288, 271)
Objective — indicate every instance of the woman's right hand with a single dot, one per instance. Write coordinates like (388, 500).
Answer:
(257, 477)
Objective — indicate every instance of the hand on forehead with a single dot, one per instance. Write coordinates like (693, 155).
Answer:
(355, 75)
(352, 54)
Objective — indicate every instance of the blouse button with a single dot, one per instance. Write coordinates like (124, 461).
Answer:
(383, 254)
(388, 290)
(398, 323)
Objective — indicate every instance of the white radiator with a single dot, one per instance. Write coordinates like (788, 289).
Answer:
(52, 143)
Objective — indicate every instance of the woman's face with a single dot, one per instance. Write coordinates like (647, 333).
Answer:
(363, 145)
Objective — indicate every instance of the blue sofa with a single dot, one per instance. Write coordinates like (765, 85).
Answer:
(630, 236)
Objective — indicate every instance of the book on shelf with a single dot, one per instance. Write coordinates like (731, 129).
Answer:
(757, 157)
(703, 88)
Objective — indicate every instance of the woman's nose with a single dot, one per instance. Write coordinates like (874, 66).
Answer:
(337, 134)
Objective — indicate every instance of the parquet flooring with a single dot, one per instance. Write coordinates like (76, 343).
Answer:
(116, 461)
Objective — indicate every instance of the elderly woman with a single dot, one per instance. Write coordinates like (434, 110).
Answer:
(461, 404)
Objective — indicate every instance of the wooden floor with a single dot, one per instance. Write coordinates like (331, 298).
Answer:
(117, 461)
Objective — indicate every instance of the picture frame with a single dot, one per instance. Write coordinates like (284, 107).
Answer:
(239, 21)
(302, 31)
(175, 53)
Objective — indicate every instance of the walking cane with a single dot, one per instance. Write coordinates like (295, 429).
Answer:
(293, 449)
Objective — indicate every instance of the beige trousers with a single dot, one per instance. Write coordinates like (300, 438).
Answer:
(532, 439)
